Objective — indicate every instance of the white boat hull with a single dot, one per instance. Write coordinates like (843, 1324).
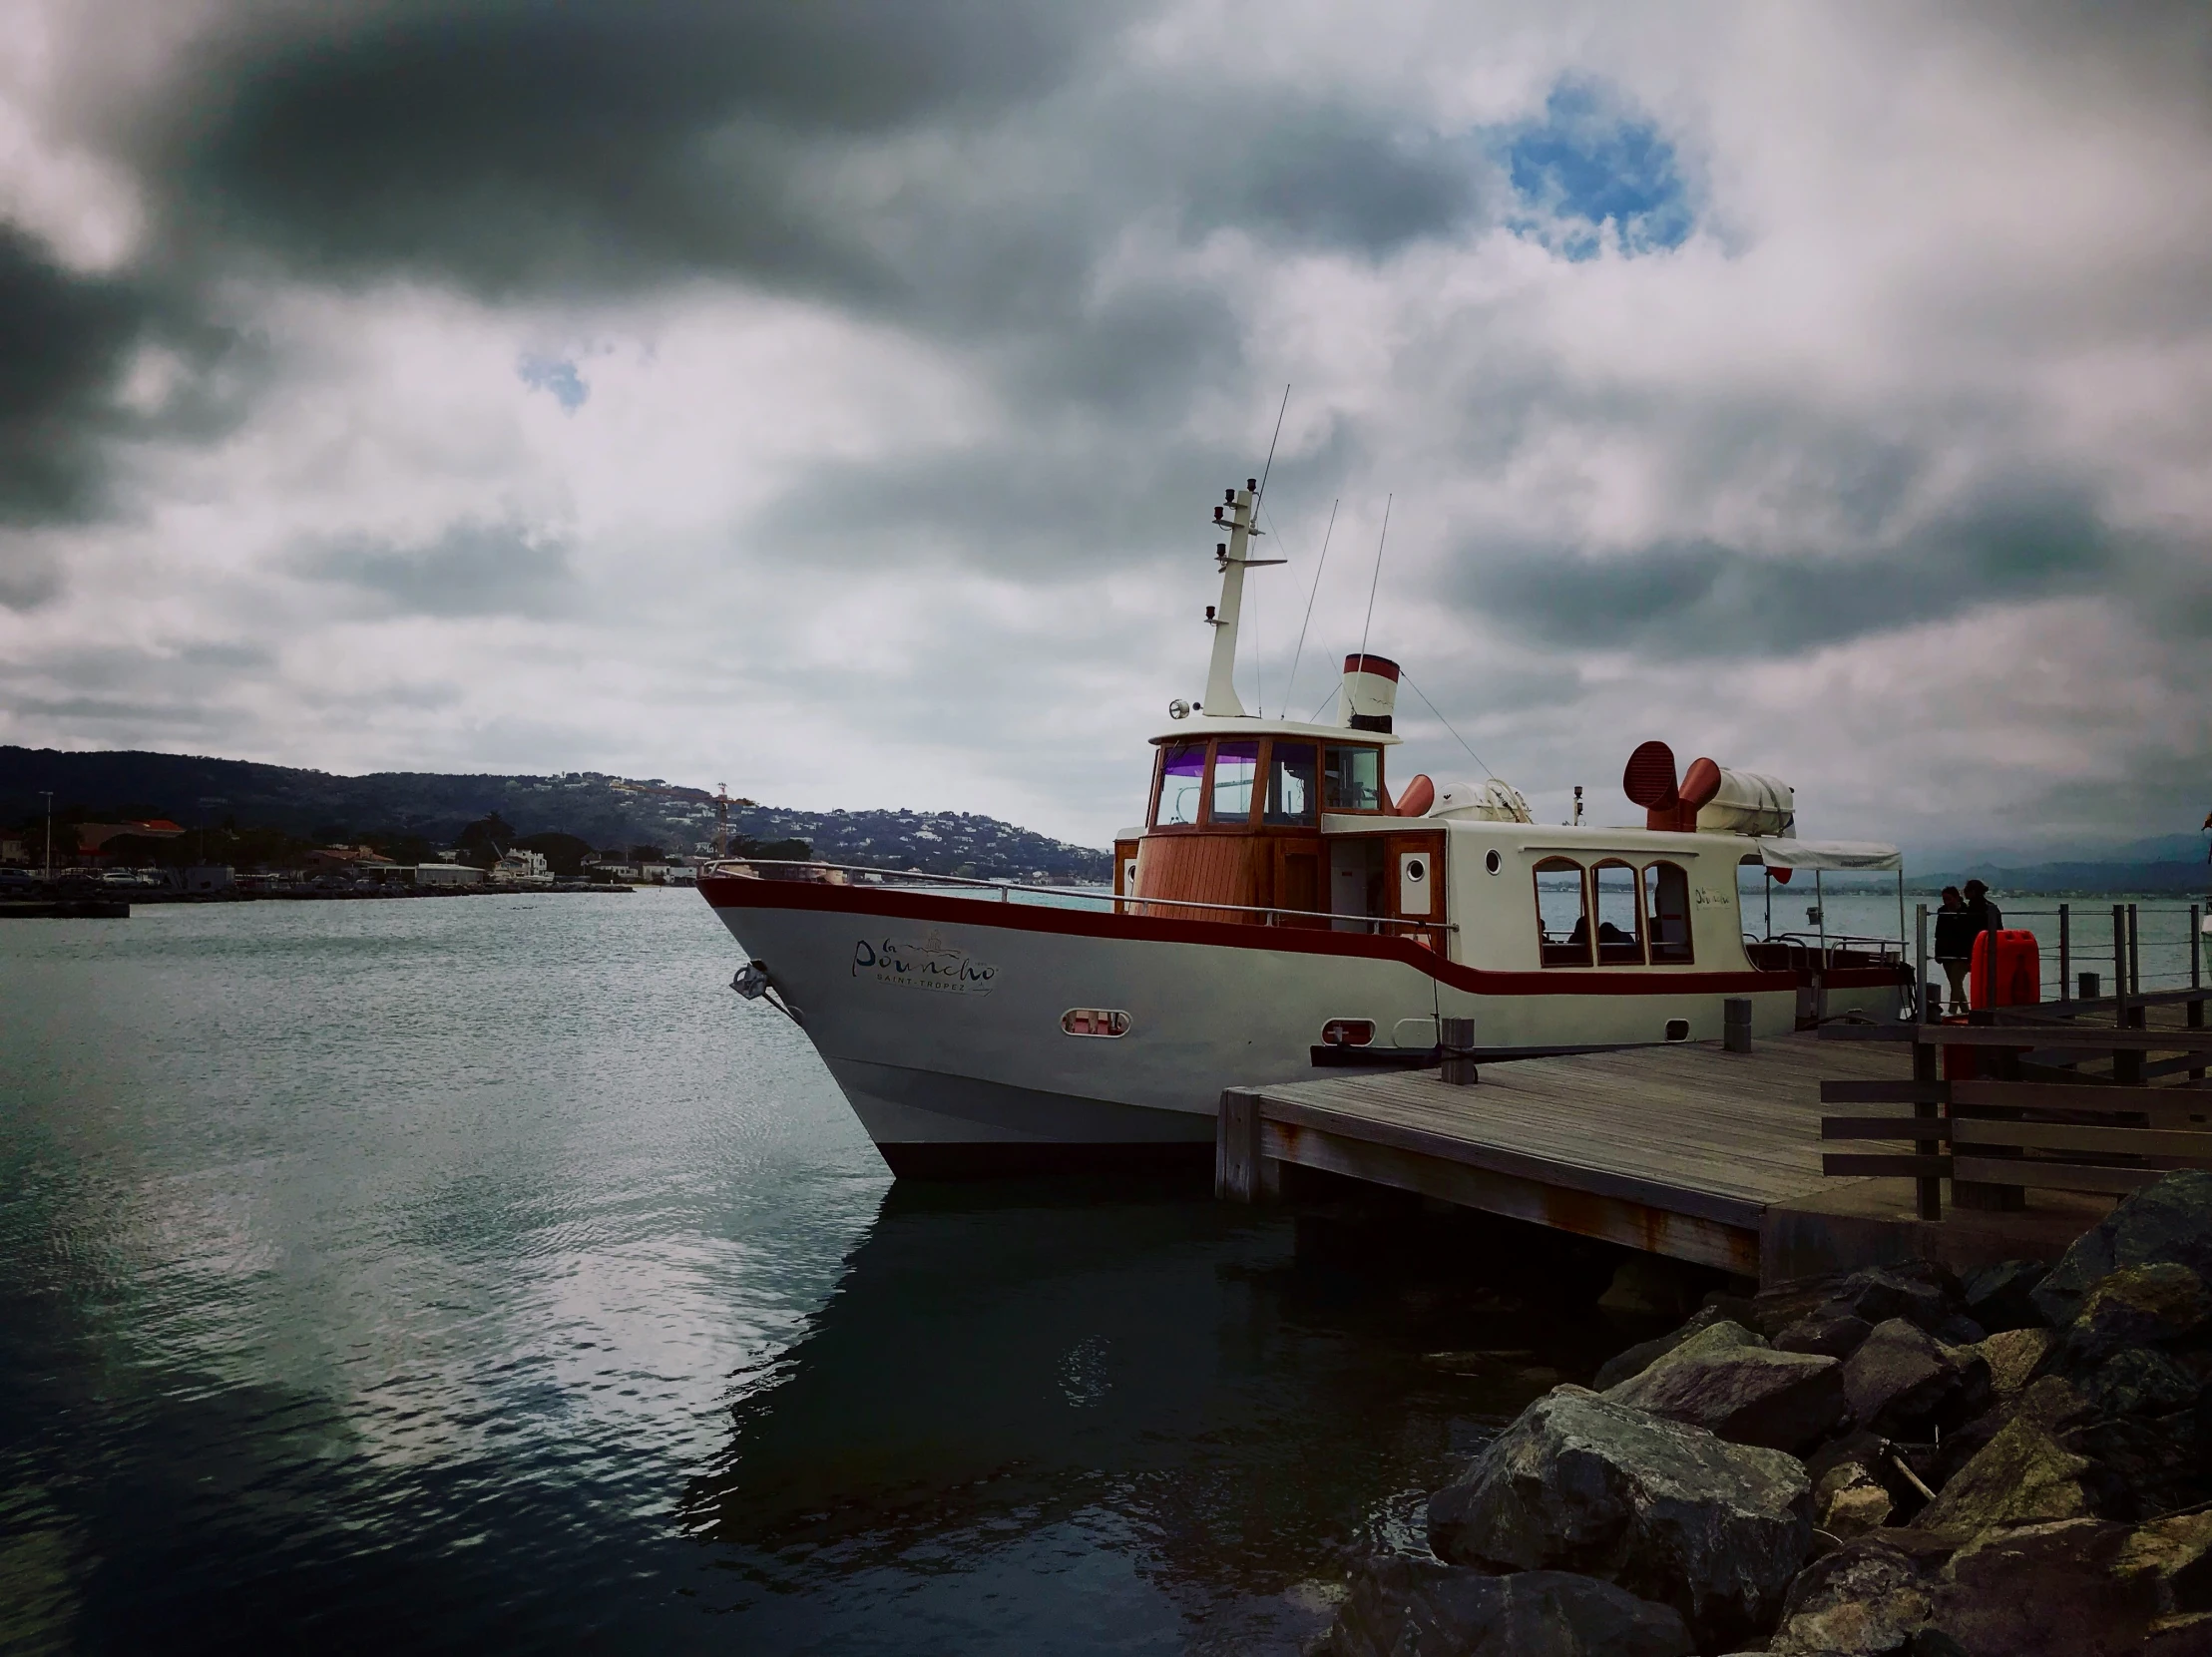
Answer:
(942, 1017)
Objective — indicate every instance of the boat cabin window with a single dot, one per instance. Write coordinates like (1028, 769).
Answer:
(1290, 791)
(1353, 779)
(1667, 901)
(1234, 767)
(1563, 913)
(1183, 776)
(1619, 928)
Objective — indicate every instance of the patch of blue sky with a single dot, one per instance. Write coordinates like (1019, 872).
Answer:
(1591, 169)
(557, 377)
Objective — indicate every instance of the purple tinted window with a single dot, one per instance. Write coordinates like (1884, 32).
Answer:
(1183, 775)
(1234, 767)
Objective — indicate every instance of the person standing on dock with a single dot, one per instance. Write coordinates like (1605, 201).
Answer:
(1985, 915)
(1955, 934)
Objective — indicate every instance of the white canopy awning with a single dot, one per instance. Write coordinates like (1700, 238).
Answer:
(1778, 853)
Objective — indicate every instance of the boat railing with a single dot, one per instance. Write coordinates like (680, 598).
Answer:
(1809, 953)
(843, 874)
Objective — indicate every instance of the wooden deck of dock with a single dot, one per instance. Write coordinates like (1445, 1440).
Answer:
(1688, 1151)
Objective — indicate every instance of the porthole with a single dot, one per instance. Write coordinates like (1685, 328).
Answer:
(1417, 871)
(1491, 861)
(1348, 1033)
(1677, 1029)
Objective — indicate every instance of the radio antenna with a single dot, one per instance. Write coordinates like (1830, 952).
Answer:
(1314, 591)
(1261, 493)
(1378, 578)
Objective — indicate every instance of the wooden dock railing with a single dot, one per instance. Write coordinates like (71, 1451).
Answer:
(2032, 1117)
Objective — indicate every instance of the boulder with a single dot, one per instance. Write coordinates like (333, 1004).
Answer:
(1848, 1501)
(1643, 1354)
(2188, 1635)
(1943, 1460)
(2023, 1475)
(2138, 1306)
(1918, 1291)
(1955, 1329)
(1775, 1308)
(1650, 1285)
(1830, 1329)
(2177, 1552)
(1669, 1512)
(2047, 1590)
(1900, 1382)
(2002, 1297)
(2145, 1464)
(1746, 1394)
(2052, 1402)
(2141, 1382)
(1875, 1459)
(1734, 1307)
(1869, 1596)
(2013, 1356)
(1402, 1607)
(2169, 1222)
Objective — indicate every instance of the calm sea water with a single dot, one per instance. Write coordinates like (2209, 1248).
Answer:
(482, 1274)
(2164, 942)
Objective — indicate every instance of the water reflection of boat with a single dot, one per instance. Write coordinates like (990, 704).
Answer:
(1027, 1421)
(1279, 909)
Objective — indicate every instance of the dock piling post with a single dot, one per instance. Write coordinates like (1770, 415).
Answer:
(1920, 966)
(1928, 1192)
(1735, 1024)
(1237, 1175)
(2194, 1017)
(2127, 1067)
(1454, 1037)
(2065, 950)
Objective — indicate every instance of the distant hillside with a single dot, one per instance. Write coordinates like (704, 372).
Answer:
(2077, 877)
(197, 792)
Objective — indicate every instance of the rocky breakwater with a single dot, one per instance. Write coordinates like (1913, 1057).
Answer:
(1893, 1461)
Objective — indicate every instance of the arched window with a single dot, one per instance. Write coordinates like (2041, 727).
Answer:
(1666, 906)
(1563, 913)
(1619, 910)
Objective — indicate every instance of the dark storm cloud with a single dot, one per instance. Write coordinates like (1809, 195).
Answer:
(1332, 177)
(472, 568)
(516, 145)
(1686, 599)
(63, 342)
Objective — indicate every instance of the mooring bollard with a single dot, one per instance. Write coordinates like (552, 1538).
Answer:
(1735, 1024)
(1455, 1039)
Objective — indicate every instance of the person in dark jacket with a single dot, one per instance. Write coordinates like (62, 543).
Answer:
(1984, 913)
(1954, 945)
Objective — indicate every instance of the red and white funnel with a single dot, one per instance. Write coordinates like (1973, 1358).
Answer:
(1369, 693)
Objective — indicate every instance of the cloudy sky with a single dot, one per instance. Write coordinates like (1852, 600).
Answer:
(829, 398)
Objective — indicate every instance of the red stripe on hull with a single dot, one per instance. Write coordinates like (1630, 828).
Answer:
(739, 892)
